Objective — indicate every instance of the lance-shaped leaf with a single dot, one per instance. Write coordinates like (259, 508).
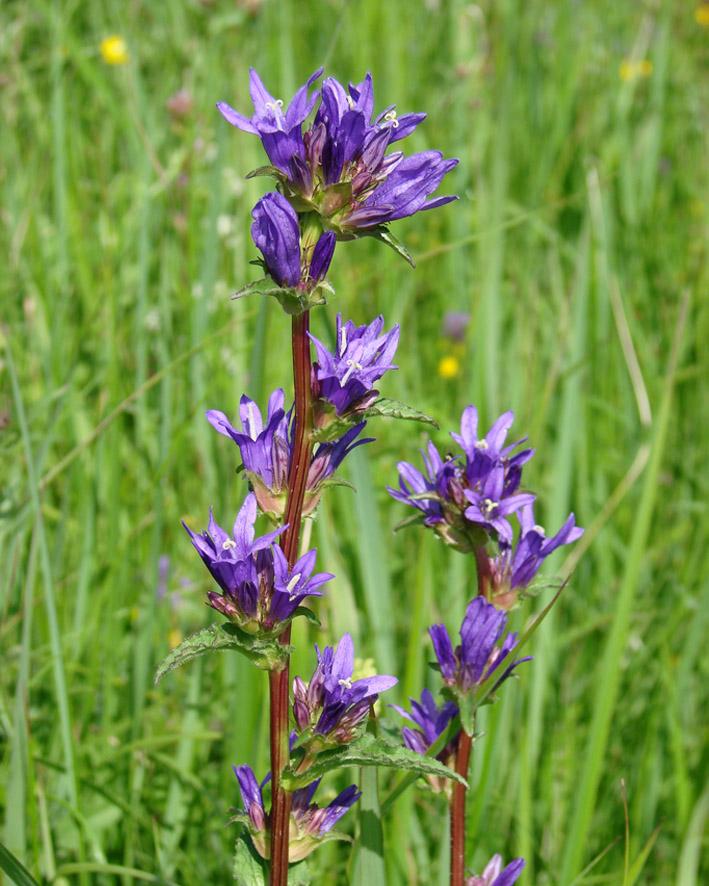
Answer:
(266, 653)
(266, 170)
(383, 407)
(251, 870)
(368, 751)
(384, 235)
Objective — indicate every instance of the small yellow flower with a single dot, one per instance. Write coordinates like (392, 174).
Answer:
(449, 367)
(114, 50)
(631, 70)
(174, 638)
(701, 15)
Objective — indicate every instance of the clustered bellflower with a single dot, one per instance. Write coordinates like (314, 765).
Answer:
(339, 168)
(478, 655)
(259, 592)
(345, 380)
(493, 876)
(310, 825)
(331, 706)
(266, 449)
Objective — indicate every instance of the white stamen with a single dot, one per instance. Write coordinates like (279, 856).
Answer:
(346, 683)
(343, 343)
(350, 102)
(353, 364)
(251, 429)
(229, 545)
(488, 506)
(391, 118)
(482, 444)
(538, 529)
(293, 582)
(271, 106)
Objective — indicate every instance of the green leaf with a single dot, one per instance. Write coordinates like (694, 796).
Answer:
(413, 520)
(262, 286)
(307, 613)
(372, 869)
(384, 235)
(251, 870)
(266, 653)
(394, 409)
(265, 170)
(14, 868)
(368, 751)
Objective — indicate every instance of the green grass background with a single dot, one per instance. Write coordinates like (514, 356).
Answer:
(579, 242)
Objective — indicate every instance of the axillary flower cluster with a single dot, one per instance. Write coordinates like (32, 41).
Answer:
(337, 180)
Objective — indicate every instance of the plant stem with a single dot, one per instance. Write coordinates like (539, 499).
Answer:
(482, 565)
(279, 680)
(457, 810)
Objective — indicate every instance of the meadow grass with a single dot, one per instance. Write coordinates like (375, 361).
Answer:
(578, 249)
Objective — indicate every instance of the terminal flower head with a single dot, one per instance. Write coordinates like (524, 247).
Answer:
(478, 656)
(362, 355)
(332, 705)
(493, 876)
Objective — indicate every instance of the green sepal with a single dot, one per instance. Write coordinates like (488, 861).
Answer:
(306, 613)
(412, 520)
(384, 235)
(251, 870)
(266, 170)
(334, 480)
(333, 198)
(265, 653)
(367, 751)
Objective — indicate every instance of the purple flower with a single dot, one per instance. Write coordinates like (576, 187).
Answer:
(362, 355)
(276, 232)
(280, 133)
(492, 876)
(309, 823)
(511, 572)
(478, 656)
(468, 502)
(431, 720)
(332, 704)
(266, 450)
(259, 592)
(339, 168)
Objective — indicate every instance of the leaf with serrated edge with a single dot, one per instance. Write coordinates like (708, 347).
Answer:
(368, 751)
(264, 653)
(265, 170)
(384, 235)
(388, 408)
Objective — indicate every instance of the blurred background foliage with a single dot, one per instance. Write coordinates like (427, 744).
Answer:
(579, 241)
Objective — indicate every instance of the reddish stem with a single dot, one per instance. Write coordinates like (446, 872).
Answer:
(279, 680)
(457, 811)
(482, 565)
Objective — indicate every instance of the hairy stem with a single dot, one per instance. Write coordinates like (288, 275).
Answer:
(457, 811)
(279, 680)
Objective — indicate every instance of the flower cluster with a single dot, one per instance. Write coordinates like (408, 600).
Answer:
(310, 824)
(266, 450)
(331, 706)
(345, 380)
(468, 501)
(339, 167)
(478, 656)
(259, 592)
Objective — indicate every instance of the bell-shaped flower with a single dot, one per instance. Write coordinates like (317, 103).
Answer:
(478, 656)
(432, 721)
(362, 355)
(493, 876)
(280, 131)
(332, 705)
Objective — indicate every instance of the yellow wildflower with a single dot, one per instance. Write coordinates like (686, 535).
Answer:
(701, 15)
(114, 50)
(174, 637)
(449, 367)
(631, 70)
